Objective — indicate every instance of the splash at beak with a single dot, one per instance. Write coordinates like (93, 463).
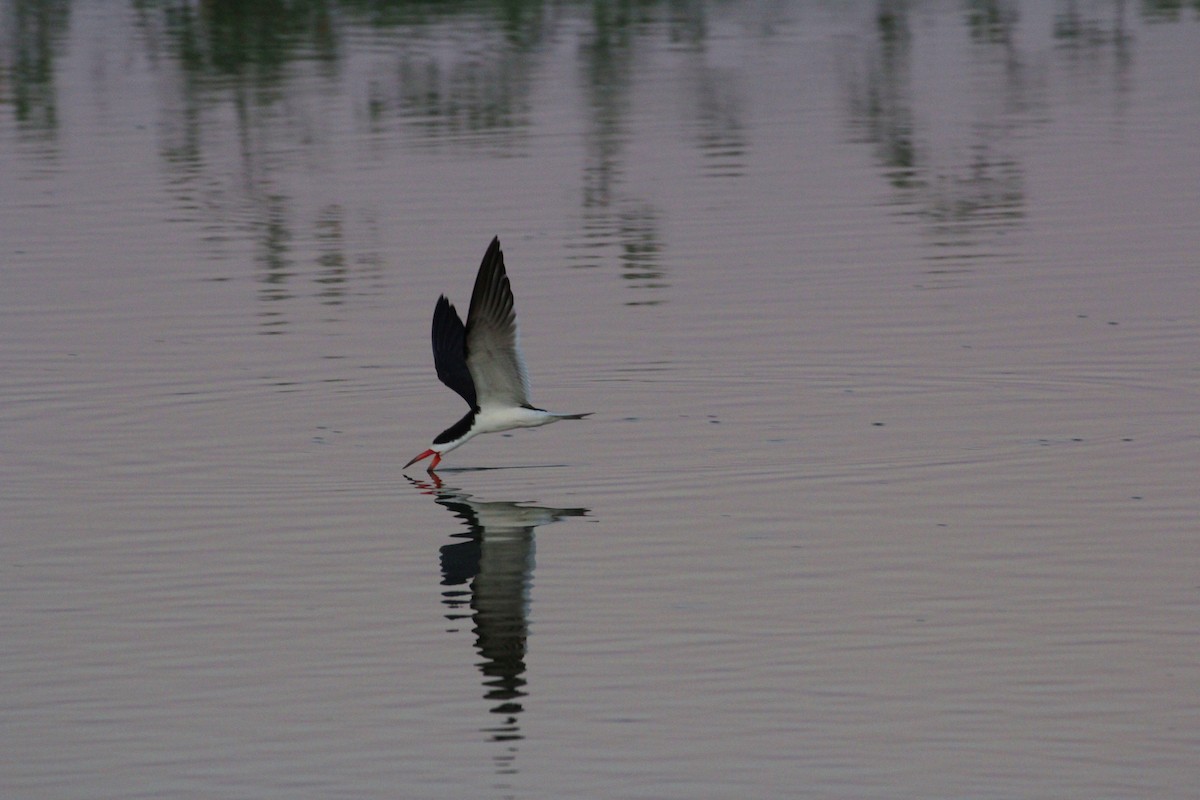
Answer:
(432, 464)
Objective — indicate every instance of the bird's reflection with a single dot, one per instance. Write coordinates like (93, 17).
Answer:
(487, 575)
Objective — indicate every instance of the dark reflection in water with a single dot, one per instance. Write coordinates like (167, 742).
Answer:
(480, 100)
(34, 36)
(967, 199)
(1096, 40)
(262, 79)
(611, 215)
(249, 38)
(461, 78)
(967, 194)
(722, 136)
(331, 261)
(1082, 27)
(494, 561)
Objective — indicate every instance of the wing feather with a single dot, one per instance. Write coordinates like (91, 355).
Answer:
(450, 351)
(493, 356)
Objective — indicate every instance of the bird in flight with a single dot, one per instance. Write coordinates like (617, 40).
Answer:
(482, 361)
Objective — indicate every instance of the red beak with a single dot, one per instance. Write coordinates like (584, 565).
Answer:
(436, 458)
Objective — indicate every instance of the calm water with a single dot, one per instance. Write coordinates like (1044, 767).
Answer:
(887, 314)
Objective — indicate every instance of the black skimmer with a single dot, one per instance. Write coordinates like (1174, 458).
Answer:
(482, 362)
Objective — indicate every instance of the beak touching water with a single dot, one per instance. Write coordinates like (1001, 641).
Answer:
(432, 464)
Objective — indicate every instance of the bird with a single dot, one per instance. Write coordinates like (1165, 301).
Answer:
(482, 362)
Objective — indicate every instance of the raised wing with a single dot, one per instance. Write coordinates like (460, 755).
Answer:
(493, 356)
(450, 351)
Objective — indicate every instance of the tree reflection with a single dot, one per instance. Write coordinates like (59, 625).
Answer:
(1078, 27)
(480, 102)
(245, 38)
(964, 200)
(263, 78)
(612, 216)
(33, 36)
(966, 186)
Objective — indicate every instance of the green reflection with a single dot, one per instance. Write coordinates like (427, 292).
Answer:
(967, 191)
(252, 83)
(36, 33)
(239, 37)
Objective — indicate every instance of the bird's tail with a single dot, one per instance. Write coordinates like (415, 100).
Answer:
(572, 416)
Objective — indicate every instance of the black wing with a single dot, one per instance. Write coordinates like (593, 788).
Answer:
(450, 351)
(493, 356)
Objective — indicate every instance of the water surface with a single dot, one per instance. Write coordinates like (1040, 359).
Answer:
(886, 312)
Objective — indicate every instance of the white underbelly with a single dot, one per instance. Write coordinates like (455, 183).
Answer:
(494, 420)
